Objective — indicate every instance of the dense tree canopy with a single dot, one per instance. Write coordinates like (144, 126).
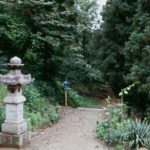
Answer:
(51, 36)
(56, 41)
(123, 47)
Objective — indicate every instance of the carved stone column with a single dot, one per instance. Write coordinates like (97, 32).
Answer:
(14, 129)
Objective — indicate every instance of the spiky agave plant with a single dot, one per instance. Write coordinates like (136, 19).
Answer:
(138, 134)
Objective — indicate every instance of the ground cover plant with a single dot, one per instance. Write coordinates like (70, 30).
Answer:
(123, 133)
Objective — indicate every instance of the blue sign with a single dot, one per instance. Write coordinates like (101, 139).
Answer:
(66, 83)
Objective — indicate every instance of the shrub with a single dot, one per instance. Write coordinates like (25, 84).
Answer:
(38, 111)
(45, 88)
(37, 120)
(76, 100)
(110, 130)
(34, 100)
(124, 134)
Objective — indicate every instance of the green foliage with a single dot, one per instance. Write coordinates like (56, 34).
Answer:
(76, 100)
(119, 147)
(137, 54)
(108, 43)
(56, 45)
(45, 88)
(2, 115)
(38, 111)
(3, 92)
(123, 134)
(13, 31)
(2, 108)
(52, 38)
(138, 134)
(122, 51)
(78, 69)
(34, 98)
(111, 129)
(3, 59)
(147, 116)
(54, 30)
(42, 119)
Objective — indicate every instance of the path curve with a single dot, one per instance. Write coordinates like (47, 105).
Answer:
(74, 131)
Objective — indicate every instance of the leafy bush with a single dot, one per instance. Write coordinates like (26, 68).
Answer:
(34, 100)
(78, 69)
(124, 134)
(59, 89)
(38, 111)
(41, 119)
(76, 100)
(110, 130)
(45, 88)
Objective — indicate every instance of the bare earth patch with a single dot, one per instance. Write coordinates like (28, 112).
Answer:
(74, 131)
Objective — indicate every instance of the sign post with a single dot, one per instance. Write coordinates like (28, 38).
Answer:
(66, 100)
(66, 83)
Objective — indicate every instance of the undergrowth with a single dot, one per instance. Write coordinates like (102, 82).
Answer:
(123, 133)
(38, 112)
(76, 100)
(3, 92)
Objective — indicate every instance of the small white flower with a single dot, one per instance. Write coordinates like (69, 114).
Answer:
(120, 94)
(128, 88)
(125, 92)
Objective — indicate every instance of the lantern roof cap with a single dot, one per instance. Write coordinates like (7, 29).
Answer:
(15, 61)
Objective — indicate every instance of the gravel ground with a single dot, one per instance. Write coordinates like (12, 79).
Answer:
(74, 131)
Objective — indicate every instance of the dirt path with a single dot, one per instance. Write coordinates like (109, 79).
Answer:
(74, 131)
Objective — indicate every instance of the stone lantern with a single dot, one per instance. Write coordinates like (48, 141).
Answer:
(14, 129)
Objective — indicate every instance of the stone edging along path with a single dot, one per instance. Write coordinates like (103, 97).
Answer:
(74, 131)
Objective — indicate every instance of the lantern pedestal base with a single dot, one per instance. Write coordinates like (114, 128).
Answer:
(15, 141)
(14, 128)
